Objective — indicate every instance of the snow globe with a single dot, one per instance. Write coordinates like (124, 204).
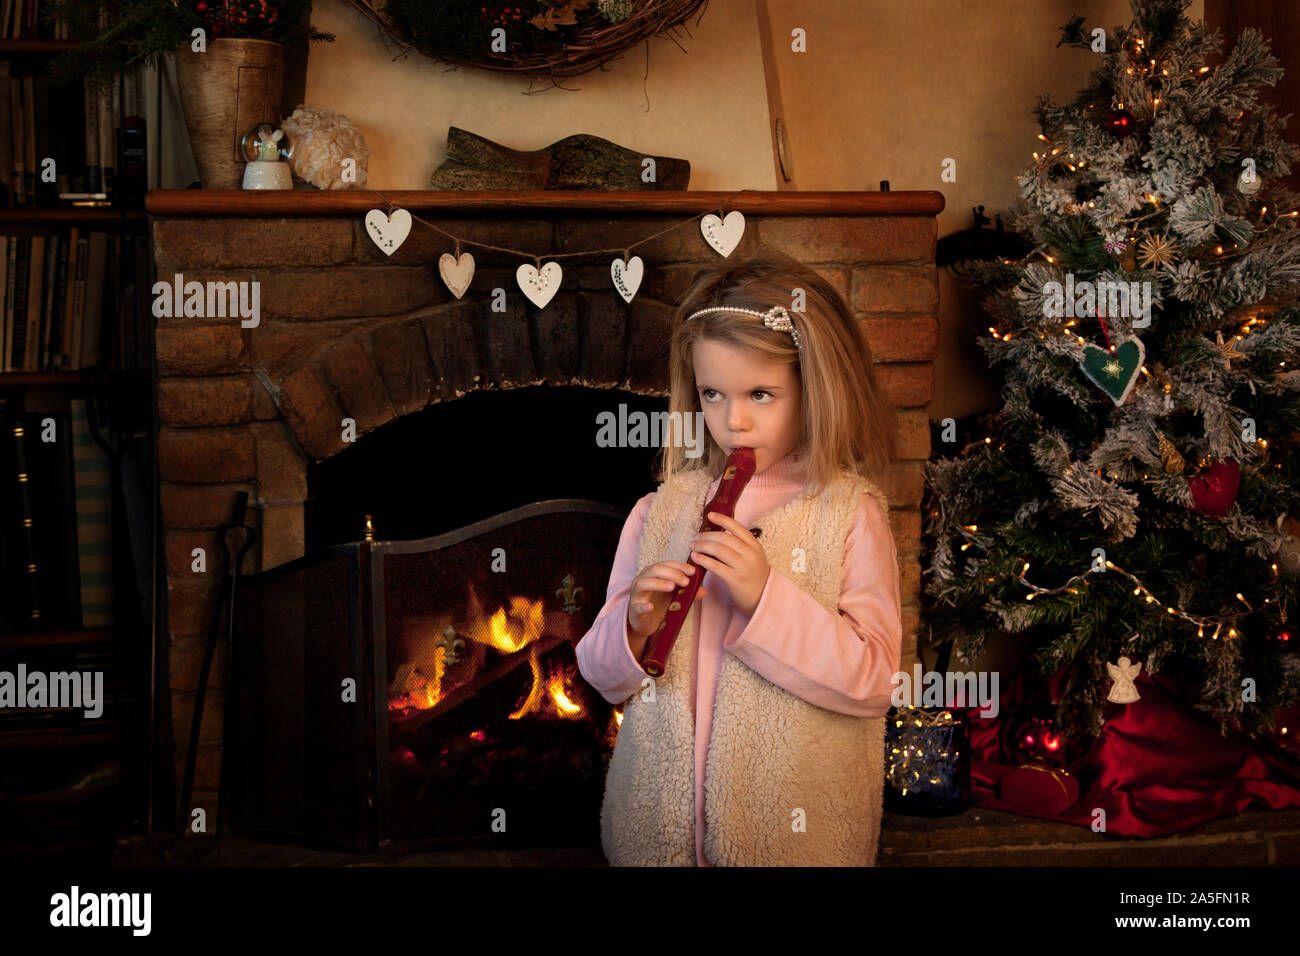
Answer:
(267, 150)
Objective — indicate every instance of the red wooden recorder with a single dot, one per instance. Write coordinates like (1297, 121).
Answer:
(735, 475)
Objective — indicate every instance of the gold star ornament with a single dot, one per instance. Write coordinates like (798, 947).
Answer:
(1156, 251)
(1229, 353)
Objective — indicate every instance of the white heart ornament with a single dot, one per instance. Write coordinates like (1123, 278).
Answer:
(627, 279)
(540, 287)
(388, 232)
(723, 234)
(456, 273)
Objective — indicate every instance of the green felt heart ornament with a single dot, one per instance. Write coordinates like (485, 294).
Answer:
(1115, 373)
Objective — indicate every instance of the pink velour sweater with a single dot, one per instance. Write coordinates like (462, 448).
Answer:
(841, 662)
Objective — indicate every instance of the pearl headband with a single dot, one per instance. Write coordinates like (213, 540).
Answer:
(774, 318)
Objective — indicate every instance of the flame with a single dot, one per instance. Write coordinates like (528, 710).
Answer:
(562, 703)
(508, 630)
(535, 692)
(556, 692)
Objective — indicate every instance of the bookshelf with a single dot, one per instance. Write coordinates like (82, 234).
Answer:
(36, 47)
(108, 562)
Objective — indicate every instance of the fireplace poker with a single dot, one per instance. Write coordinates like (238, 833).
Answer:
(735, 476)
(225, 602)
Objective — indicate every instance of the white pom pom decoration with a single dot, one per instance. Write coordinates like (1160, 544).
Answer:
(322, 141)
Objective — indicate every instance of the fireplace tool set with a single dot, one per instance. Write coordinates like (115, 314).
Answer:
(230, 535)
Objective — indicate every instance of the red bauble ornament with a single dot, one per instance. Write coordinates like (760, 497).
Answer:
(1216, 490)
(201, 7)
(1282, 639)
(1037, 738)
(1120, 123)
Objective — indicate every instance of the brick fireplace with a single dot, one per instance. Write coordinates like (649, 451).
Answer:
(348, 332)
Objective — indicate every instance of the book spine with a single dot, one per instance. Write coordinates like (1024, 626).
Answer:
(6, 319)
(10, 314)
(45, 133)
(94, 174)
(57, 362)
(35, 299)
(92, 328)
(52, 244)
(18, 357)
(18, 172)
(104, 103)
(94, 522)
(28, 612)
(29, 140)
(6, 133)
(79, 304)
(69, 286)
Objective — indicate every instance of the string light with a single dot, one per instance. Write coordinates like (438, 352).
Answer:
(1141, 589)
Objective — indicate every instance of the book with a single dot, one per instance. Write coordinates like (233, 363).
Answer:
(19, 574)
(94, 522)
(49, 463)
(35, 299)
(18, 126)
(104, 101)
(94, 174)
(66, 143)
(78, 320)
(68, 283)
(43, 150)
(6, 324)
(48, 276)
(96, 272)
(29, 140)
(6, 137)
(6, 358)
(59, 306)
(18, 353)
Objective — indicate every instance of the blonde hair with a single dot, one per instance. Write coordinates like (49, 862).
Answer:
(848, 425)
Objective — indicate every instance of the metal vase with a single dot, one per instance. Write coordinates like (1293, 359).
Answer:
(226, 91)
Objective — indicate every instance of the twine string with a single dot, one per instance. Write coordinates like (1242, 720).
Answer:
(519, 253)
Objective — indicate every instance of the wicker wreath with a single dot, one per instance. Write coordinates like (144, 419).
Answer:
(578, 34)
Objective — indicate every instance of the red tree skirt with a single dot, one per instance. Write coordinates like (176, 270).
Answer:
(1158, 766)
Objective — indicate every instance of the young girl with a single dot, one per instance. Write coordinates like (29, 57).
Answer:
(763, 741)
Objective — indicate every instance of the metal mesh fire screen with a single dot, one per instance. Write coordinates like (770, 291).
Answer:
(417, 694)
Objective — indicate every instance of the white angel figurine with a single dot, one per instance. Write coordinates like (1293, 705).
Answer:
(268, 145)
(264, 169)
(1123, 690)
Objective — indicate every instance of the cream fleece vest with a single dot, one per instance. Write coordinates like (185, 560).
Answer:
(787, 783)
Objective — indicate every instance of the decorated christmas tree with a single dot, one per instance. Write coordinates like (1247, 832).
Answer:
(1130, 498)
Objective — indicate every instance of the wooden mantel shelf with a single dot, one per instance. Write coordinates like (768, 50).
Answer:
(207, 203)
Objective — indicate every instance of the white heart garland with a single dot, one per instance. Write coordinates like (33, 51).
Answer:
(723, 234)
(627, 278)
(540, 287)
(456, 273)
(388, 232)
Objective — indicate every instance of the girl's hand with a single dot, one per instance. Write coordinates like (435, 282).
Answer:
(652, 589)
(735, 556)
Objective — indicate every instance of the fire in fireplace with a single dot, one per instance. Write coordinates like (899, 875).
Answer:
(411, 694)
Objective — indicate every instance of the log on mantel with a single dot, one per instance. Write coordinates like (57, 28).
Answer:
(581, 161)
